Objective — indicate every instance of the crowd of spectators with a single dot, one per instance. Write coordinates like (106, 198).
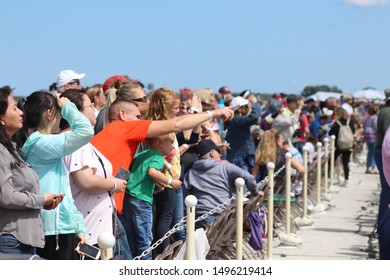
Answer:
(61, 151)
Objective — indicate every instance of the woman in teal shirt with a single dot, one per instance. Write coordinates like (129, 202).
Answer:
(44, 150)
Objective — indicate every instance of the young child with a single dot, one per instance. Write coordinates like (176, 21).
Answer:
(137, 208)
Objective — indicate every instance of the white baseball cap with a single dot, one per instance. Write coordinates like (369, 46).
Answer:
(66, 76)
(239, 101)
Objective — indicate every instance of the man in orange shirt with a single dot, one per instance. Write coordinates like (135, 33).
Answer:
(119, 140)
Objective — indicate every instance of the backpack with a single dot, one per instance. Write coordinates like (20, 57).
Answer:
(345, 137)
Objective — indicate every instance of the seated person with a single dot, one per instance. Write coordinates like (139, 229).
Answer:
(212, 181)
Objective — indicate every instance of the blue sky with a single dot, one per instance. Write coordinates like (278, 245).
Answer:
(265, 46)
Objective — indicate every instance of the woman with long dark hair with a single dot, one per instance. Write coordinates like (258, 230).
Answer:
(21, 230)
(44, 150)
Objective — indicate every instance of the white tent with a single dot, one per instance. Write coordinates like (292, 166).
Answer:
(369, 94)
(322, 95)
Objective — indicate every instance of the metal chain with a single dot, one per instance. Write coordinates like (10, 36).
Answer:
(265, 180)
(182, 224)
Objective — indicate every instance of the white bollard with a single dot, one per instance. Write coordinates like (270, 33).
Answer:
(325, 195)
(304, 220)
(106, 242)
(332, 140)
(288, 191)
(270, 214)
(287, 238)
(239, 216)
(319, 145)
(319, 207)
(326, 149)
(190, 202)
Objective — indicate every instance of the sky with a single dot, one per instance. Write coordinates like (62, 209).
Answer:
(266, 46)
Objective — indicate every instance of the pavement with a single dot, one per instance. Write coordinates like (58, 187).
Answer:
(346, 230)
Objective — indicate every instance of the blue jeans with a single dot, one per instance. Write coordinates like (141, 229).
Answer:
(178, 214)
(122, 248)
(370, 155)
(137, 220)
(384, 199)
(10, 245)
(208, 220)
(384, 236)
(244, 162)
(164, 204)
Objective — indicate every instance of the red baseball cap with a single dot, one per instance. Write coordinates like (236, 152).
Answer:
(109, 83)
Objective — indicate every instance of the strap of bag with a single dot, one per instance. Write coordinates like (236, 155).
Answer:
(105, 176)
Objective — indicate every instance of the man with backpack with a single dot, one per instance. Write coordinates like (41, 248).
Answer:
(344, 129)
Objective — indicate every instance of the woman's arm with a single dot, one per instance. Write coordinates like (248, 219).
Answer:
(82, 130)
(185, 122)
(297, 165)
(86, 180)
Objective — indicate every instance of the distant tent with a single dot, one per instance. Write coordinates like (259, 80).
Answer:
(369, 94)
(322, 95)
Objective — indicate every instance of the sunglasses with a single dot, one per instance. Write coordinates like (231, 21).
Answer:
(142, 99)
(74, 82)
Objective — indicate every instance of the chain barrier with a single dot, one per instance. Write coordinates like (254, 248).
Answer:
(182, 224)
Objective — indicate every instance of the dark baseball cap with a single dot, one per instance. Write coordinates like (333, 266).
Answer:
(205, 146)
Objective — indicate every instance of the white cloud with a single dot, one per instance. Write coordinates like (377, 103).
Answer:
(366, 3)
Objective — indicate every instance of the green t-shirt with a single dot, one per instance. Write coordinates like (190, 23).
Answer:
(140, 185)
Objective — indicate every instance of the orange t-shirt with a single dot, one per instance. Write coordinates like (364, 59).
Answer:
(118, 142)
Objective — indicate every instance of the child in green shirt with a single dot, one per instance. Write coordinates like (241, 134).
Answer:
(137, 208)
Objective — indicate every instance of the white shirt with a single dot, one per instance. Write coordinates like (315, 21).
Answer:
(96, 208)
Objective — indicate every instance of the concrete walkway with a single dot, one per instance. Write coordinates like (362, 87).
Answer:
(346, 231)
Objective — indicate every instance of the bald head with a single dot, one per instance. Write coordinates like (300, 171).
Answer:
(124, 110)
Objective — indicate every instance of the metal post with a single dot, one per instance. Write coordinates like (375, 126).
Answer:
(287, 238)
(326, 148)
(319, 145)
(304, 220)
(270, 228)
(332, 140)
(190, 202)
(319, 207)
(288, 191)
(305, 164)
(239, 216)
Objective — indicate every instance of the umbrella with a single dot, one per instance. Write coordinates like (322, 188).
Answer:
(369, 94)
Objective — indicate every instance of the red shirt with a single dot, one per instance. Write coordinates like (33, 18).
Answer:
(304, 123)
(118, 142)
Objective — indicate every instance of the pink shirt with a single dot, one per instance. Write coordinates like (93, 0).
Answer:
(386, 155)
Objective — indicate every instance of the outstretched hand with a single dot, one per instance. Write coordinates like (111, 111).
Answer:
(225, 113)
